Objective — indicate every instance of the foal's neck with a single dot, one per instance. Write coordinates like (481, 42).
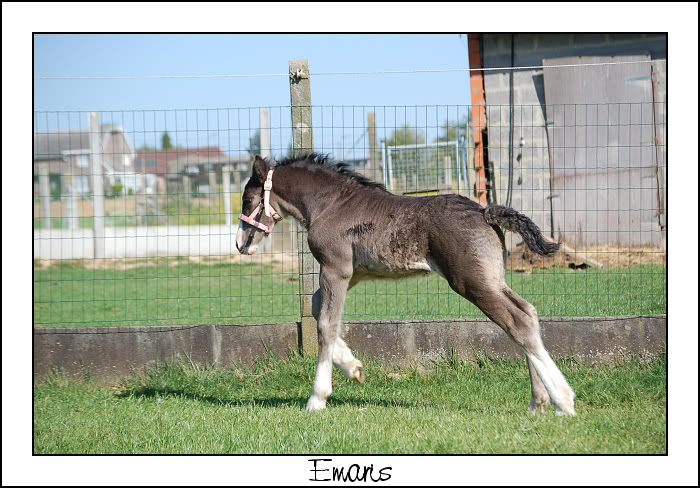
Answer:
(297, 194)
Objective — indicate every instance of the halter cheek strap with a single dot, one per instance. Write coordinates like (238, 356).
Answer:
(269, 209)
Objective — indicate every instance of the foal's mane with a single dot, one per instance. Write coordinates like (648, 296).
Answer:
(316, 159)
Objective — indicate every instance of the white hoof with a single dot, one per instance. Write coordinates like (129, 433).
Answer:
(353, 370)
(315, 404)
(567, 412)
(564, 407)
(358, 374)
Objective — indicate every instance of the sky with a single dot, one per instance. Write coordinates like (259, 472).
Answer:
(224, 111)
(206, 54)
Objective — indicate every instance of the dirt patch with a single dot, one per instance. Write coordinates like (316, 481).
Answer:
(521, 259)
(113, 206)
(284, 261)
(114, 264)
(288, 261)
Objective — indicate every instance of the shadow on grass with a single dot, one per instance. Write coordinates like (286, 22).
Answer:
(265, 402)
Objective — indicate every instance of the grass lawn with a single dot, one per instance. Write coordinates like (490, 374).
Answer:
(454, 407)
(72, 295)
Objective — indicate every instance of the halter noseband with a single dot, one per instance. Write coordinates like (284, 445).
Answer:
(269, 210)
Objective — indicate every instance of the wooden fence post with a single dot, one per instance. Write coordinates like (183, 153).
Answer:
(45, 195)
(70, 205)
(302, 140)
(98, 192)
(226, 179)
(374, 157)
(213, 193)
(265, 153)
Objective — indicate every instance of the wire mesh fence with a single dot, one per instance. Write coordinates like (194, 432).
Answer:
(135, 212)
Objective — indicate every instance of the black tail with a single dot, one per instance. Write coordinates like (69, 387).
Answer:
(516, 222)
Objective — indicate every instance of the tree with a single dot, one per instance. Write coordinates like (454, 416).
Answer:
(453, 130)
(165, 141)
(117, 188)
(405, 135)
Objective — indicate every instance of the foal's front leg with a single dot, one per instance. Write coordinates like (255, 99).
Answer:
(342, 355)
(333, 290)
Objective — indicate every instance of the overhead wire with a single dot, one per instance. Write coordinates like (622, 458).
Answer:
(339, 73)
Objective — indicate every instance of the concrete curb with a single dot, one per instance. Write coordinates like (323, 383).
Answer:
(112, 352)
(590, 339)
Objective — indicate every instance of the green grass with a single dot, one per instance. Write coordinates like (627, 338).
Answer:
(456, 407)
(71, 295)
(62, 223)
(638, 290)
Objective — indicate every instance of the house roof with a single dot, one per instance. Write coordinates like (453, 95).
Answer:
(174, 160)
(53, 146)
(178, 165)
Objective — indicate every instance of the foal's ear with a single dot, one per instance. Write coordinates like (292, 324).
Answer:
(260, 169)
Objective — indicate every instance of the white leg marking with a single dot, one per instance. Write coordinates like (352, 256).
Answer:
(539, 399)
(323, 386)
(554, 382)
(343, 358)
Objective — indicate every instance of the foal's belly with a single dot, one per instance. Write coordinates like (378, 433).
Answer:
(383, 270)
(361, 274)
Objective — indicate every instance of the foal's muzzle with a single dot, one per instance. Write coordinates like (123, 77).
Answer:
(244, 240)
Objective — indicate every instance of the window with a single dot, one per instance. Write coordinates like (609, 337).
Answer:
(151, 163)
(138, 164)
(82, 160)
(81, 184)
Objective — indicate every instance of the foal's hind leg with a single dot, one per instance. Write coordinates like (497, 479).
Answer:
(538, 358)
(539, 401)
(519, 319)
(526, 332)
(342, 355)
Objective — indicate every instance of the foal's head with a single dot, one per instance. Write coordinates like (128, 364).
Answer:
(254, 225)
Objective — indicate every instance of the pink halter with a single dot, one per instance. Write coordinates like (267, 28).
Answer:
(269, 210)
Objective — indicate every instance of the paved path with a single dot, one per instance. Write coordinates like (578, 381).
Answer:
(146, 241)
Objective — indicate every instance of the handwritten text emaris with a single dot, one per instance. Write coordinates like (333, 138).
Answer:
(352, 473)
